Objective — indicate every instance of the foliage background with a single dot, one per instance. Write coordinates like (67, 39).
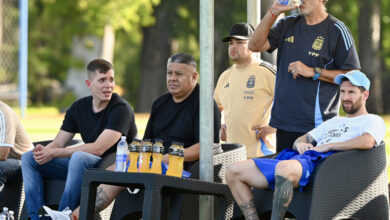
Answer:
(146, 32)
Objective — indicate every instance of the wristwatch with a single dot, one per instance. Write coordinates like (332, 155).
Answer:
(317, 73)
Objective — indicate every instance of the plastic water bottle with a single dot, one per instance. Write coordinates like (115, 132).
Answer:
(11, 215)
(4, 215)
(290, 2)
(121, 155)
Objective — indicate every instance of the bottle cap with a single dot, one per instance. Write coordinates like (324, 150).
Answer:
(135, 145)
(147, 146)
(158, 148)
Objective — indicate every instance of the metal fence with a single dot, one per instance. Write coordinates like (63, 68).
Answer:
(9, 38)
(9, 46)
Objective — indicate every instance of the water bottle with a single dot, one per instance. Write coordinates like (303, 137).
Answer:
(11, 215)
(121, 155)
(290, 2)
(4, 215)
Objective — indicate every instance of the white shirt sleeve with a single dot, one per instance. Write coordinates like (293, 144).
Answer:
(375, 126)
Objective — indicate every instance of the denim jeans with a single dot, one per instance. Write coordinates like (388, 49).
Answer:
(69, 169)
(9, 169)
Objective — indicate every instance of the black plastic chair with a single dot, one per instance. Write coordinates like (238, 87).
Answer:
(12, 194)
(346, 185)
(54, 188)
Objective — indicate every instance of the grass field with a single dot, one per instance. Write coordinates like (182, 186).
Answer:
(44, 123)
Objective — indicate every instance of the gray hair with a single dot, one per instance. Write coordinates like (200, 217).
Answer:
(184, 58)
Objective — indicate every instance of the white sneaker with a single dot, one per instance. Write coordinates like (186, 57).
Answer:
(58, 215)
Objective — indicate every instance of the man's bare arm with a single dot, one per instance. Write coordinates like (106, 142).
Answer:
(307, 139)
(4, 153)
(192, 153)
(364, 142)
(60, 141)
(56, 148)
(259, 40)
(304, 143)
(297, 69)
(105, 140)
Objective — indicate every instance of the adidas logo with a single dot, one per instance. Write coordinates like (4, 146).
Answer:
(289, 39)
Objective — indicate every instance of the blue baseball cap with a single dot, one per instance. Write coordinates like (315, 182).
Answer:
(356, 77)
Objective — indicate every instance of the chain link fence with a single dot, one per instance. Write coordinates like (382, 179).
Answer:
(9, 46)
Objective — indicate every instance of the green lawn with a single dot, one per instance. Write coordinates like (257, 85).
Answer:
(43, 124)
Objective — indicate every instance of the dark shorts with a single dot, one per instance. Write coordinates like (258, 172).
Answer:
(286, 139)
(308, 160)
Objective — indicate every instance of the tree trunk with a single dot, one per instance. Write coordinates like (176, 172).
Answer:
(369, 51)
(156, 49)
(108, 43)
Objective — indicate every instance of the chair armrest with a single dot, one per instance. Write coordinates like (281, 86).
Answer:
(349, 179)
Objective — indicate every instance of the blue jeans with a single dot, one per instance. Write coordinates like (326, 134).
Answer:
(69, 169)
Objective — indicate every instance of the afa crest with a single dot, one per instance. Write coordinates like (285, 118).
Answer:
(319, 41)
(251, 81)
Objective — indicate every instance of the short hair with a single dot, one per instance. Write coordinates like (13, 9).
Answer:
(184, 58)
(98, 65)
(362, 89)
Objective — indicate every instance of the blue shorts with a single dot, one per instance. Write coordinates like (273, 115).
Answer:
(308, 160)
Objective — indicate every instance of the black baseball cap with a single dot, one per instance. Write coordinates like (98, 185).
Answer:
(241, 31)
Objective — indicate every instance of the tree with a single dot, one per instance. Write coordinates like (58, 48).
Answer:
(177, 29)
(369, 50)
(156, 48)
(53, 24)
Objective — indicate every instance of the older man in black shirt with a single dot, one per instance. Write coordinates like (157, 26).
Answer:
(174, 118)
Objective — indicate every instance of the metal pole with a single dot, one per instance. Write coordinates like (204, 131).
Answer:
(23, 22)
(206, 103)
(253, 16)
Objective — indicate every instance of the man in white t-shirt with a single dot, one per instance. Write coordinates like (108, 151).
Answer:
(358, 130)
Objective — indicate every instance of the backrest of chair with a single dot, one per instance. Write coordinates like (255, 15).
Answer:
(106, 161)
(351, 183)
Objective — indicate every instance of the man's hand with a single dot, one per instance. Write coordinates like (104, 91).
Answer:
(165, 159)
(222, 132)
(263, 131)
(42, 154)
(302, 147)
(298, 69)
(278, 9)
(322, 148)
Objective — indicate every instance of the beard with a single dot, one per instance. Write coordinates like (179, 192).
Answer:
(353, 108)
